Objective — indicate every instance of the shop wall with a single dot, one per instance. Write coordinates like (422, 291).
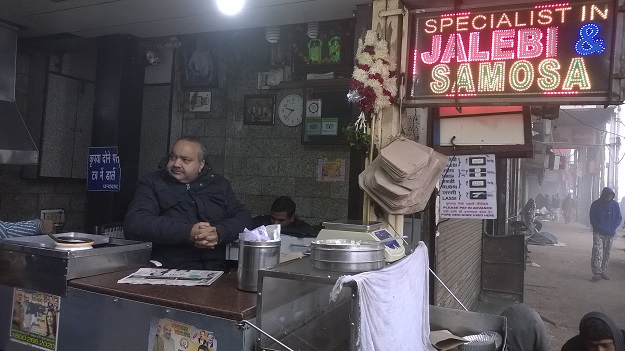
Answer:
(458, 262)
(22, 198)
(261, 161)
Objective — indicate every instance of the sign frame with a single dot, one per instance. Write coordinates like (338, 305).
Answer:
(610, 94)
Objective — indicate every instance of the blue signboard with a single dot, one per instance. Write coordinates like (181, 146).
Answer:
(104, 172)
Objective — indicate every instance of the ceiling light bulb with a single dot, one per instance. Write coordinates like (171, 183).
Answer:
(230, 7)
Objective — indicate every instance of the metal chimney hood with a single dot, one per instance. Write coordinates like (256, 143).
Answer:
(16, 144)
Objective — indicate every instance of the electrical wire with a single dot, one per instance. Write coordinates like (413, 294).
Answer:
(588, 125)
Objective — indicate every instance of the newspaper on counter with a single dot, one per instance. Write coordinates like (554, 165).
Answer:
(179, 277)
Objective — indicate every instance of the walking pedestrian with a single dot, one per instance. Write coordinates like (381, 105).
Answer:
(555, 204)
(605, 218)
(622, 207)
(568, 208)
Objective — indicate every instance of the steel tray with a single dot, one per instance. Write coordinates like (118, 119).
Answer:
(35, 263)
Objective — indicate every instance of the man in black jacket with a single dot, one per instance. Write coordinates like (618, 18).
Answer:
(186, 211)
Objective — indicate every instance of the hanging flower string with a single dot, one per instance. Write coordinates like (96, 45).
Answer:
(374, 83)
(373, 86)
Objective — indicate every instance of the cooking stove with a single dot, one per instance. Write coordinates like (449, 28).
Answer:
(38, 263)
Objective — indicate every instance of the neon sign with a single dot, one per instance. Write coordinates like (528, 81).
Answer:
(520, 52)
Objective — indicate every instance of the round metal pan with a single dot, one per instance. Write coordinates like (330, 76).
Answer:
(342, 255)
(71, 240)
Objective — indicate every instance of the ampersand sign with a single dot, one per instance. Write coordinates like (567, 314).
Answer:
(587, 44)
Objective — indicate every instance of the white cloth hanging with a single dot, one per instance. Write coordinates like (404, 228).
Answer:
(394, 305)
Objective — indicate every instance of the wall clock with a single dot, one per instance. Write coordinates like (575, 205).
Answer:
(291, 109)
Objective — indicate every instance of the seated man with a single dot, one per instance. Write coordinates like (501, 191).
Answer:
(283, 213)
(597, 332)
(26, 228)
(186, 211)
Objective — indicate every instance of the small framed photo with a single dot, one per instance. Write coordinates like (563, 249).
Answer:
(259, 109)
(199, 101)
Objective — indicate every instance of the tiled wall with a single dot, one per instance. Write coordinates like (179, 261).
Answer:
(22, 199)
(263, 161)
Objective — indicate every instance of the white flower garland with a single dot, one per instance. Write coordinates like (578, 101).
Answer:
(379, 62)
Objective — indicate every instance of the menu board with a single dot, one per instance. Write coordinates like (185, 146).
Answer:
(469, 188)
(523, 51)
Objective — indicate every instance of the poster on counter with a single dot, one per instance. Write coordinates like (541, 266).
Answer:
(170, 335)
(34, 320)
(104, 171)
(469, 188)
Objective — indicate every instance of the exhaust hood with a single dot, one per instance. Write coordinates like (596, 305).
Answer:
(16, 144)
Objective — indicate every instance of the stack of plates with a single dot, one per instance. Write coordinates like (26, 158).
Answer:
(486, 341)
(402, 178)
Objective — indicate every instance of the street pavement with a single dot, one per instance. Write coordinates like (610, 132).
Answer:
(558, 281)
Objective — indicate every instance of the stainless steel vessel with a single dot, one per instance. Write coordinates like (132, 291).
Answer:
(344, 255)
(36, 263)
(254, 255)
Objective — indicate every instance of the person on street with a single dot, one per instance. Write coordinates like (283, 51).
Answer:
(555, 204)
(529, 213)
(622, 207)
(597, 332)
(186, 211)
(547, 200)
(26, 228)
(568, 208)
(525, 329)
(605, 218)
(540, 201)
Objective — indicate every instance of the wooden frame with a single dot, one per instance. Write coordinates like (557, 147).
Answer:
(200, 64)
(334, 111)
(259, 109)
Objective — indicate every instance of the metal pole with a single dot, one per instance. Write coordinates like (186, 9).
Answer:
(267, 335)
(452, 294)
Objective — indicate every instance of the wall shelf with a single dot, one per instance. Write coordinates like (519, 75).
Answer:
(299, 84)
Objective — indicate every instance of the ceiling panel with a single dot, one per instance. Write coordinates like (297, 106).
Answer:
(151, 18)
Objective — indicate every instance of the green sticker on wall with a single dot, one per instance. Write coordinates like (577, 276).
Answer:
(313, 127)
(329, 126)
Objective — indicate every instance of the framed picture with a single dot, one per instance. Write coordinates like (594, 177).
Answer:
(259, 109)
(200, 68)
(199, 101)
(327, 115)
(331, 51)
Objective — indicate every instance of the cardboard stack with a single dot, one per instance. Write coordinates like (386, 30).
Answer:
(402, 177)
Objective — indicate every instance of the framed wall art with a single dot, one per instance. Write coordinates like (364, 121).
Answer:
(199, 101)
(332, 50)
(258, 109)
(326, 115)
(200, 65)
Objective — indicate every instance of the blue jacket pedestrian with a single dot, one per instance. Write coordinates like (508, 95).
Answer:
(605, 214)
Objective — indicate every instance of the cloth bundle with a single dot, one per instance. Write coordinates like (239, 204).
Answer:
(393, 304)
(402, 178)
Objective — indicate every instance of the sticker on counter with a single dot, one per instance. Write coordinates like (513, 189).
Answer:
(34, 320)
(169, 335)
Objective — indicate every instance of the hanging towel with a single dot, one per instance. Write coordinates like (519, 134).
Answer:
(394, 305)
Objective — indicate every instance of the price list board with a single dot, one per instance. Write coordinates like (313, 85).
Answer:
(469, 188)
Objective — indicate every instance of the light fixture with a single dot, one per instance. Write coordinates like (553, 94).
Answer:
(230, 7)
(272, 34)
(313, 30)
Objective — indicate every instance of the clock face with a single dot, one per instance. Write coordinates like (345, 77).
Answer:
(291, 109)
